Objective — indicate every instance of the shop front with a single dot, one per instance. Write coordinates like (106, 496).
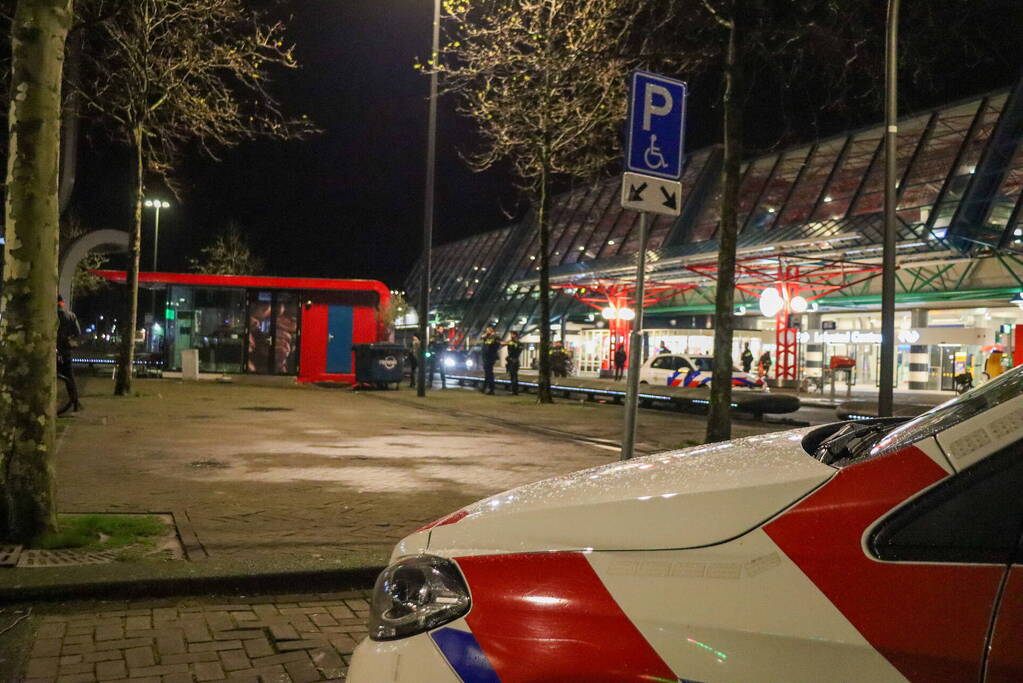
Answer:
(301, 327)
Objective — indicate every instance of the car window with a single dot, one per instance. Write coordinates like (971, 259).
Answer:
(682, 364)
(1003, 388)
(661, 363)
(975, 517)
(704, 363)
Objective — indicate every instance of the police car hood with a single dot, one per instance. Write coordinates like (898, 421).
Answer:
(678, 499)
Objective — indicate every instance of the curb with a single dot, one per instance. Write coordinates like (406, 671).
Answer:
(161, 581)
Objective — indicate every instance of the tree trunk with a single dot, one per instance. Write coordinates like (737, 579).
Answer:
(719, 426)
(131, 290)
(543, 213)
(29, 303)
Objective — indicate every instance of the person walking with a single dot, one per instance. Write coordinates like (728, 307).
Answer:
(68, 331)
(511, 362)
(414, 348)
(559, 360)
(764, 367)
(438, 347)
(491, 347)
(746, 358)
(620, 356)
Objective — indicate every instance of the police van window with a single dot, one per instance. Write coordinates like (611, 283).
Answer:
(682, 364)
(975, 517)
(661, 363)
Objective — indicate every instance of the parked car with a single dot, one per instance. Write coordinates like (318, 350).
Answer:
(456, 361)
(883, 550)
(678, 370)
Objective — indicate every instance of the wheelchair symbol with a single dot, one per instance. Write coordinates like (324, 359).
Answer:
(653, 157)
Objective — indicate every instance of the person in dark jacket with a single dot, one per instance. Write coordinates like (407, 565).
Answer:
(414, 349)
(491, 348)
(438, 347)
(620, 356)
(559, 360)
(68, 331)
(746, 358)
(511, 361)
(764, 366)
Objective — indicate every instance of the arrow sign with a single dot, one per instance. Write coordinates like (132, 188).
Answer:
(636, 193)
(669, 198)
(663, 196)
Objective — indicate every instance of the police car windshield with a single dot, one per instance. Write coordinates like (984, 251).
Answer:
(999, 390)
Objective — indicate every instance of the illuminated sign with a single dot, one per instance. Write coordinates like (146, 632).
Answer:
(855, 337)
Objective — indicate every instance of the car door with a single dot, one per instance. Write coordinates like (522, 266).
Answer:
(684, 370)
(1005, 656)
(660, 370)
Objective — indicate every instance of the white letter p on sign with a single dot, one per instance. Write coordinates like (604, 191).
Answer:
(650, 109)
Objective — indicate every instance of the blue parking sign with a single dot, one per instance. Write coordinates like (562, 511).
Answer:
(657, 116)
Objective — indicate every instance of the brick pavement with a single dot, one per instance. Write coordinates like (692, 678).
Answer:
(284, 638)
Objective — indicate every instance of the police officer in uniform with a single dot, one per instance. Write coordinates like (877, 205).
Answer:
(559, 360)
(511, 361)
(438, 346)
(491, 348)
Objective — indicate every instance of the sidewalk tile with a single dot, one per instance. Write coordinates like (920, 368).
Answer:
(208, 671)
(111, 671)
(139, 657)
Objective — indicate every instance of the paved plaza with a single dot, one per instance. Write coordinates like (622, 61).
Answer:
(297, 638)
(255, 472)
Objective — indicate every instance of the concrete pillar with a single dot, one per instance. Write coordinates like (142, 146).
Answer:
(919, 366)
(813, 358)
(919, 354)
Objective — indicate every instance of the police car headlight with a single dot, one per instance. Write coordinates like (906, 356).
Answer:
(415, 595)
(449, 362)
(469, 364)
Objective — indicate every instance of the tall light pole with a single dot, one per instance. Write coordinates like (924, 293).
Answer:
(886, 378)
(428, 210)
(155, 204)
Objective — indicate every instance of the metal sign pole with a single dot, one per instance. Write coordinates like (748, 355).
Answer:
(635, 348)
(428, 215)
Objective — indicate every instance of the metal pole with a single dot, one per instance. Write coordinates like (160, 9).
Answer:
(635, 348)
(152, 292)
(887, 372)
(431, 162)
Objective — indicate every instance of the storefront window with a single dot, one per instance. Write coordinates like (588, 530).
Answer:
(210, 320)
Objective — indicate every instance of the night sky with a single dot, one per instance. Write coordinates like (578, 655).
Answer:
(348, 202)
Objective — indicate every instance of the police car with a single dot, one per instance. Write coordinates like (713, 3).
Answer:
(858, 551)
(677, 370)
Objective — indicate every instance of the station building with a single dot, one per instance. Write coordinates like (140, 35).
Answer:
(811, 225)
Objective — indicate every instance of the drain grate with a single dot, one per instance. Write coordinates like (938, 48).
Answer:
(208, 464)
(267, 409)
(64, 558)
(9, 555)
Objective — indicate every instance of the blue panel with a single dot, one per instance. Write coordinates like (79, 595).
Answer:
(657, 111)
(339, 339)
(465, 655)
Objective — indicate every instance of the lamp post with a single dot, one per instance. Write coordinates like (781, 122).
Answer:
(428, 210)
(155, 204)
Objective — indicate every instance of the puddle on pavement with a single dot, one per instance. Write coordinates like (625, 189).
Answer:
(397, 462)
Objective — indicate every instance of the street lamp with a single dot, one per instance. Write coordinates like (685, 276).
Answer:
(156, 204)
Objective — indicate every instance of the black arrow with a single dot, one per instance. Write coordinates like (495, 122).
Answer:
(669, 199)
(636, 193)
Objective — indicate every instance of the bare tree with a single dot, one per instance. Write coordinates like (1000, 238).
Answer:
(229, 254)
(164, 74)
(29, 317)
(545, 81)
